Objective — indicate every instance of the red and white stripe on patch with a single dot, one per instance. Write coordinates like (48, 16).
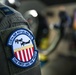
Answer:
(24, 55)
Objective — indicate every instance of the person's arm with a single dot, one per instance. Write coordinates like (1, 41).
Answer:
(18, 51)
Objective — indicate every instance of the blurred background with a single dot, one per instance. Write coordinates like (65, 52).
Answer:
(53, 23)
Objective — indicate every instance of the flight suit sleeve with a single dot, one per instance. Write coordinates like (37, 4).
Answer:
(18, 51)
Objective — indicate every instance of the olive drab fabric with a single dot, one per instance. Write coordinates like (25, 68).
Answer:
(18, 51)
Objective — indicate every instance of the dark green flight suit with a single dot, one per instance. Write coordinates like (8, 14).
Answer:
(15, 30)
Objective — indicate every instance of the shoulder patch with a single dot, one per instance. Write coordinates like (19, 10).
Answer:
(23, 48)
(6, 10)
